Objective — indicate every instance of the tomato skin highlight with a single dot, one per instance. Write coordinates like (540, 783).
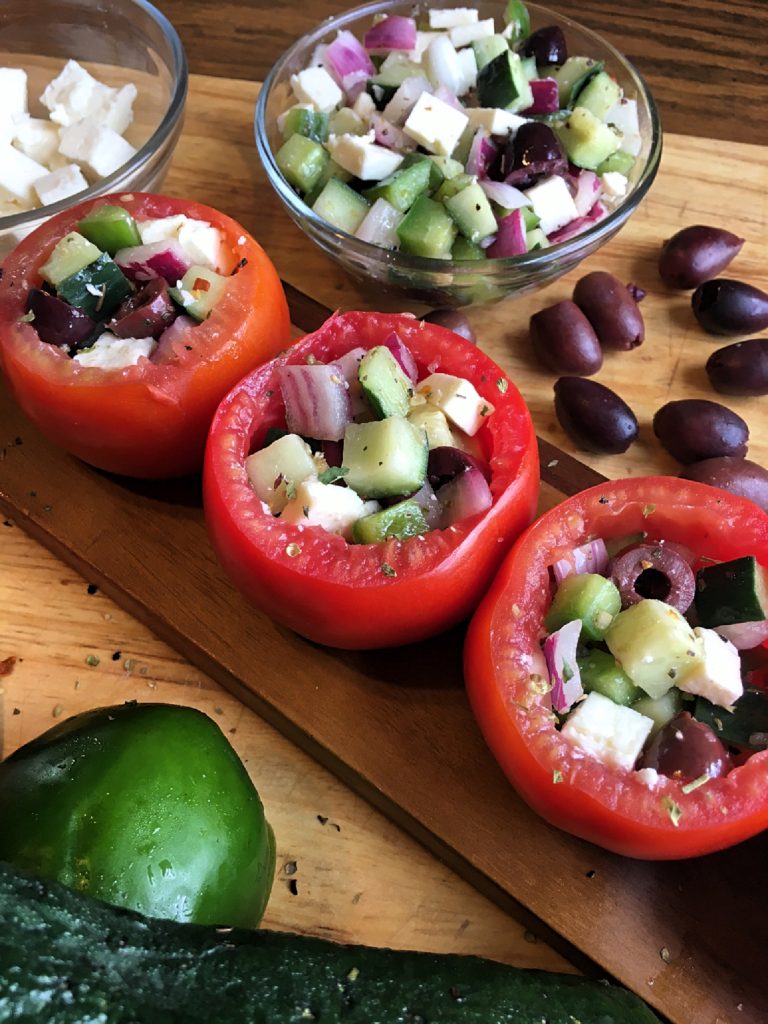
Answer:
(367, 595)
(149, 420)
(504, 668)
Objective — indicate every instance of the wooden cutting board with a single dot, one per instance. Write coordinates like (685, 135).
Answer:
(688, 937)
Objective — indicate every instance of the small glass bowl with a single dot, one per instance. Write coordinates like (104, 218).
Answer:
(118, 42)
(447, 282)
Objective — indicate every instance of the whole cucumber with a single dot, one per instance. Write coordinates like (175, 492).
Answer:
(69, 959)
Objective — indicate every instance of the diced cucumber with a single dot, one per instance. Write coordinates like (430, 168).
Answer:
(451, 186)
(330, 170)
(340, 205)
(97, 289)
(586, 596)
(730, 592)
(618, 161)
(201, 288)
(395, 69)
(312, 124)
(436, 176)
(346, 122)
(745, 724)
(531, 219)
(403, 520)
(472, 213)
(463, 249)
(503, 83)
(488, 48)
(654, 644)
(463, 146)
(448, 167)
(433, 421)
(586, 140)
(403, 188)
(274, 471)
(110, 228)
(301, 161)
(385, 458)
(572, 76)
(599, 94)
(529, 68)
(427, 230)
(536, 239)
(601, 672)
(69, 255)
(660, 710)
(517, 20)
(385, 386)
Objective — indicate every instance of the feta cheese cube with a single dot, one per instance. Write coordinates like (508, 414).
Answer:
(7, 128)
(334, 508)
(423, 39)
(60, 184)
(463, 35)
(435, 125)
(404, 99)
(441, 62)
(13, 89)
(468, 69)
(160, 229)
(458, 399)
(75, 94)
(275, 472)
(18, 174)
(611, 733)
(201, 242)
(717, 676)
(364, 106)
(116, 111)
(96, 147)
(36, 138)
(450, 17)
(552, 203)
(316, 87)
(495, 120)
(614, 183)
(363, 157)
(112, 353)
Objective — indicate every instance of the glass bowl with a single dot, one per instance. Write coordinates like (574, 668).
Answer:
(439, 282)
(118, 42)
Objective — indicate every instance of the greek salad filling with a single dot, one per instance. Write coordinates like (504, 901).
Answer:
(451, 137)
(371, 451)
(117, 290)
(655, 660)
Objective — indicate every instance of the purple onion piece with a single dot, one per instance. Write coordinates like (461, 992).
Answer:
(177, 343)
(446, 462)
(510, 238)
(467, 494)
(745, 635)
(58, 323)
(316, 400)
(590, 557)
(546, 97)
(653, 571)
(395, 32)
(564, 674)
(403, 355)
(164, 259)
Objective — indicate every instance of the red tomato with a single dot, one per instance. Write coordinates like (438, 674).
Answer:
(504, 672)
(367, 595)
(148, 420)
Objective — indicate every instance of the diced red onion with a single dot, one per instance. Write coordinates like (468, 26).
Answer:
(173, 345)
(510, 238)
(560, 656)
(482, 153)
(389, 135)
(745, 635)
(164, 259)
(504, 195)
(347, 62)
(316, 400)
(446, 462)
(589, 557)
(403, 355)
(468, 494)
(578, 224)
(395, 32)
(546, 97)
(349, 364)
(379, 225)
(427, 501)
(588, 189)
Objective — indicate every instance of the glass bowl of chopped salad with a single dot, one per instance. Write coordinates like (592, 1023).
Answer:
(457, 154)
(92, 103)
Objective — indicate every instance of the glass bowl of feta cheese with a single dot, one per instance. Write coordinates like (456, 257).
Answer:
(454, 154)
(91, 102)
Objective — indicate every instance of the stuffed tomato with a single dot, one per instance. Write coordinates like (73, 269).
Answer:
(640, 726)
(126, 319)
(409, 466)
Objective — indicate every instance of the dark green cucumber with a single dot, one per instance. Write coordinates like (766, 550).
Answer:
(746, 725)
(67, 959)
(731, 592)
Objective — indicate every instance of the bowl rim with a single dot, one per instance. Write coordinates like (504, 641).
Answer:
(152, 145)
(530, 261)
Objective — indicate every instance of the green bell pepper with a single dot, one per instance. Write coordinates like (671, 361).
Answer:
(145, 806)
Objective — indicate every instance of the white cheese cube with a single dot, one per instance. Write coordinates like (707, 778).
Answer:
(441, 62)
(614, 183)
(458, 400)
(36, 138)
(116, 111)
(450, 17)
(495, 120)
(612, 733)
(327, 505)
(316, 87)
(404, 99)
(18, 174)
(435, 125)
(552, 203)
(160, 229)
(73, 95)
(423, 39)
(468, 69)
(717, 676)
(623, 115)
(463, 35)
(94, 146)
(275, 472)
(13, 90)
(363, 157)
(364, 106)
(60, 184)
(112, 353)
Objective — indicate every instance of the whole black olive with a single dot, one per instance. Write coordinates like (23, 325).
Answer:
(453, 320)
(535, 152)
(739, 476)
(58, 323)
(692, 429)
(740, 368)
(564, 340)
(725, 306)
(547, 45)
(611, 309)
(686, 749)
(595, 417)
(696, 254)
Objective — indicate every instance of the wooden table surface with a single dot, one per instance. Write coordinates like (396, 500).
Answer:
(343, 870)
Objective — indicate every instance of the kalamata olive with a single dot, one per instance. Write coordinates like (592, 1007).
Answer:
(547, 45)
(692, 429)
(564, 340)
(725, 306)
(685, 749)
(739, 476)
(611, 309)
(445, 463)
(594, 416)
(740, 368)
(453, 320)
(533, 153)
(145, 314)
(58, 323)
(696, 254)
(655, 571)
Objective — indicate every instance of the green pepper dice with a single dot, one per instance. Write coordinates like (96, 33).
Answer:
(145, 806)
